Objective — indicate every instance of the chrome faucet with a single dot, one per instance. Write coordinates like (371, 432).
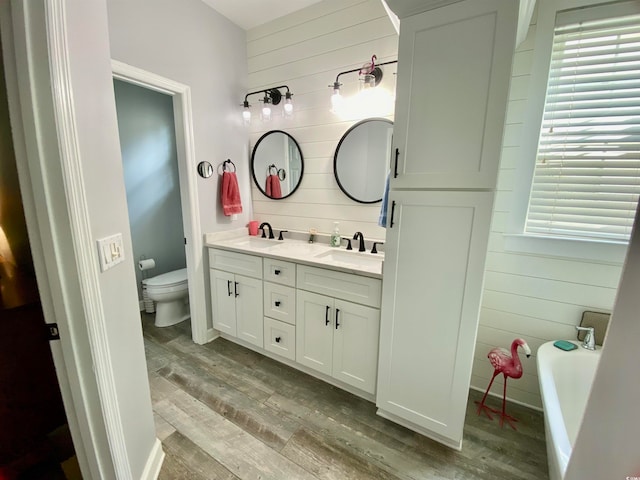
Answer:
(355, 237)
(589, 341)
(264, 234)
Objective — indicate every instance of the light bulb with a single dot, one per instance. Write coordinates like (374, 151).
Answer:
(246, 116)
(266, 113)
(336, 100)
(288, 105)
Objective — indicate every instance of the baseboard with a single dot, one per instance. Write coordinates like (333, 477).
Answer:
(154, 463)
(141, 305)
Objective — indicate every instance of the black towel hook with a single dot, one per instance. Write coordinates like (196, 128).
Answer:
(272, 166)
(226, 163)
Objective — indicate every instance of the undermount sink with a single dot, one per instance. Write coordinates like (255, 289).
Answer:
(353, 259)
(258, 243)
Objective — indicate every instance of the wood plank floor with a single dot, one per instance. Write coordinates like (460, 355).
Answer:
(226, 412)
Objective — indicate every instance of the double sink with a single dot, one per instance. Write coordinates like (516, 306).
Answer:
(315, 253)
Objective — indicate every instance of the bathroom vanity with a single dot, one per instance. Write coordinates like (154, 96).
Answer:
(310, 306)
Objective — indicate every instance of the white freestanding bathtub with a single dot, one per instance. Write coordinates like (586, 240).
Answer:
(565, 382)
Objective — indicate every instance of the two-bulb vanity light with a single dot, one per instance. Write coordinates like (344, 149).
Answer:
(272, 96)
(370, 75)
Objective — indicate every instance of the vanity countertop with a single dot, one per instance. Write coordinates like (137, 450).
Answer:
(314, 254)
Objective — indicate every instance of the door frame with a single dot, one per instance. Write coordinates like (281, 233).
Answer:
(185, 146)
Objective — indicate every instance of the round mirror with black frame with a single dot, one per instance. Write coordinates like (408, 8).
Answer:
(277, 164)
(361, 161)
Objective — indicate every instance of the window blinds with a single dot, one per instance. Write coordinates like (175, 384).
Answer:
(587, 176)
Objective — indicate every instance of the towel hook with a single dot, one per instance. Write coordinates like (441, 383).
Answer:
(272, 166)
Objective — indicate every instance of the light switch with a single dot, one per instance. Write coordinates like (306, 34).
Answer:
(110, 251)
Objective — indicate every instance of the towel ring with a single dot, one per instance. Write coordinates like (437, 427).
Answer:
(226, 163)
(282, 174)
(272, 166)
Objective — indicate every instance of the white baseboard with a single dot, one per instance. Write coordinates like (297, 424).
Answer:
(154, 463)
(509, 399)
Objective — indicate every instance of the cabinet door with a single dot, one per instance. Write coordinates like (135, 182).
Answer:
(249, 318)
(434, 268)
(454, 69)
(355, 345)
(223, 304)
(314, 331)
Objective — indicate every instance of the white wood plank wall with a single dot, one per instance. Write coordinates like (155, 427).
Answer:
(538, 298)
(306, 50)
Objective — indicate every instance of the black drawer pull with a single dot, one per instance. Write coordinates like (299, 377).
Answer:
(229, 287)
(393, 210)
(278, 339)
(337, 313)
(277, 303)
(235, 288)
(395, 168)
(277, 272)
(326, 316)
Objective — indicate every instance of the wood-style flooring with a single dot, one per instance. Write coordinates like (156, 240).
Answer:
(225, 412)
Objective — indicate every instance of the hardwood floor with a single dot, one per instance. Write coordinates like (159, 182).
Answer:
(226, 412)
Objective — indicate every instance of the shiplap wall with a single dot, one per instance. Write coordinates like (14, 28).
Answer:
(306, 50)
(538, 298)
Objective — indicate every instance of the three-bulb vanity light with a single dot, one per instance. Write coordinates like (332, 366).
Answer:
(272, 96)
(370, 75)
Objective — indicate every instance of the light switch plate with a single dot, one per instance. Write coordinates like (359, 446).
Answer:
(110, 251)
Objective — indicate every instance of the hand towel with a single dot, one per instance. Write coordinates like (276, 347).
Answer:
(382, 220)
(273, 189)
(230, 197)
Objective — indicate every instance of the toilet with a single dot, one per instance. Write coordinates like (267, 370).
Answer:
(170, 291)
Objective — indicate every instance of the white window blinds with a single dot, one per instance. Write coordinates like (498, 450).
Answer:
(587, 176)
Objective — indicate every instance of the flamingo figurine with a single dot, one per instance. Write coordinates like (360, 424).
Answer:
(509, 366)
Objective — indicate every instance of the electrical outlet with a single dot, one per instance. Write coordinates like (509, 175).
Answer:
(110, 251)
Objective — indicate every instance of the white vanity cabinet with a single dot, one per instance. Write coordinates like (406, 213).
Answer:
(454, 67)
(236, 298)
(334, 336)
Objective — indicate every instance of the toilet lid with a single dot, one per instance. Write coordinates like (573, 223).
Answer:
(169, 278)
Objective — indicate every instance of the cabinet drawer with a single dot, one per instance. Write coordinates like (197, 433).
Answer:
(280, 302)
(280, 338)
(354, 288)
(235, 262)
(280, 272)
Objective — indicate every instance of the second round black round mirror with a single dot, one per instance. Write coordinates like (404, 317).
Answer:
(361, 161)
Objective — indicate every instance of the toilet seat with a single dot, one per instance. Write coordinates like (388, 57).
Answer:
(170, 279)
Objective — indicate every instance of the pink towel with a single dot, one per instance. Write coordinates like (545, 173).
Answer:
(273, 189)
(231, 202)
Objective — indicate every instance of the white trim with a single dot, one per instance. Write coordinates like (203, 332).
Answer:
(573, 248)
(517, 402)
(79, 217)
(185, 146)
(154, 462)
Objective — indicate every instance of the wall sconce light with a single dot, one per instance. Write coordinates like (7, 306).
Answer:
(370, 76)
(272, 96)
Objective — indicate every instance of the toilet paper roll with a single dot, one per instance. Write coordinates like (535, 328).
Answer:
(146, 264)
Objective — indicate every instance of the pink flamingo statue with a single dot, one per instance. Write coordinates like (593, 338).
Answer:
(509, 366)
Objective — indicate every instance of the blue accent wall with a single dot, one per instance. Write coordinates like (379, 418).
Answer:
(148, 145)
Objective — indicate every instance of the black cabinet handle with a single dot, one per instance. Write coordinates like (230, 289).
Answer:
(395, 167)
(235, 289)
(393, 210)
(229, 287)
(337, 313)
(326, 316)
(277, 303)
(277, 339)
(277, 272)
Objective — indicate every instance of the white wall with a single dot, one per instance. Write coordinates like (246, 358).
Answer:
(536, 297)
(190, 43)
(306, 50)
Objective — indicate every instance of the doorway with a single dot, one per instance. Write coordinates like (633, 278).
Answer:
(202, 332)
(35, 440)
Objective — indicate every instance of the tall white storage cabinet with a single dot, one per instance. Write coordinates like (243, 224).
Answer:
(454, 68)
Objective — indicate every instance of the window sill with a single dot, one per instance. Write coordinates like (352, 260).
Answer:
(573, 248)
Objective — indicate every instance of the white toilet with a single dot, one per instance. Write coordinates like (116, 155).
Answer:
(170, 291)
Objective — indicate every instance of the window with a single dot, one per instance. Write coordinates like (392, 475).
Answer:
(587, 175)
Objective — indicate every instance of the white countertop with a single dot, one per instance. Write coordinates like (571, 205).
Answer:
(314, 254)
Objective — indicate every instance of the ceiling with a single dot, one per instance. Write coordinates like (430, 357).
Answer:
(251, 13)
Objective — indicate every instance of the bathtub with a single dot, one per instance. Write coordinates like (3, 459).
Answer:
(565, 382)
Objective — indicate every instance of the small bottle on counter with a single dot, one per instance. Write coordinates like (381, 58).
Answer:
(335, 236)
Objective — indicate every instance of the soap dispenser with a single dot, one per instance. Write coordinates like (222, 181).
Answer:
(335, 236)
